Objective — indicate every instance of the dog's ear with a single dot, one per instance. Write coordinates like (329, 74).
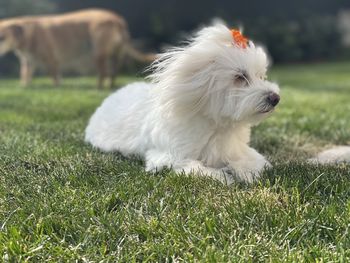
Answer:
(2, 36)
(17, 31)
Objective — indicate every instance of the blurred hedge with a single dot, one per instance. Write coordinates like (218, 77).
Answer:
(312, 38)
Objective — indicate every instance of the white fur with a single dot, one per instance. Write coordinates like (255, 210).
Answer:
(338, 154)
(194, 116)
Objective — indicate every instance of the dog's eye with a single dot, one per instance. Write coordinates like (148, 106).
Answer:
(241, 80)
(263, 77)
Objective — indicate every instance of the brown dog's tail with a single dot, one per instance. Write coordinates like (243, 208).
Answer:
(139, 56)
(128, 48)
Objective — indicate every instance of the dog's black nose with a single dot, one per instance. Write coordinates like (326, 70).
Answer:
(273, 98)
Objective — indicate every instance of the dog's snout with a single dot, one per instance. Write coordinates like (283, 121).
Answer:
(273, 98)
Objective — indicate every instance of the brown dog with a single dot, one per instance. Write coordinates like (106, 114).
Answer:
(58, 39)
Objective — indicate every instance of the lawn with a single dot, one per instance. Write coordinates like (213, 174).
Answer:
(61, 201)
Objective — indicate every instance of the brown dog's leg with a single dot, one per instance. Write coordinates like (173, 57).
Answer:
(101, 64)
(116, 63)
(114, 71)
(53, 66)
(54, 72)
(26, 71)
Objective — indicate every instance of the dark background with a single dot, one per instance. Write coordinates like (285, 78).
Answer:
(292, 31)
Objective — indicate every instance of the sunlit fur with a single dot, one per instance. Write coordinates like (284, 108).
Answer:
(337, 154)
(195, 115)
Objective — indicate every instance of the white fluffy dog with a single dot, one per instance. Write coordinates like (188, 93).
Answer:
(195, 115)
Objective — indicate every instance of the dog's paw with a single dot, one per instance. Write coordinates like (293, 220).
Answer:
(226, 175)
(250, 170)
(248, 176)
(267, 165)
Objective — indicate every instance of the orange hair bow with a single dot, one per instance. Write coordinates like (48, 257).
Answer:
(239, 39)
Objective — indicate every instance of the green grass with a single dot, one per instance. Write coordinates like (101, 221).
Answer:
(61, 201)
